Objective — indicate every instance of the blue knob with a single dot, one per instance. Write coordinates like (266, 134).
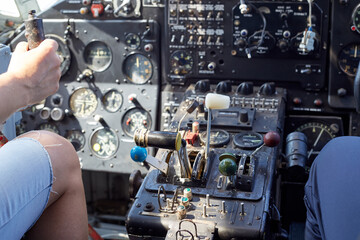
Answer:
(138, 154)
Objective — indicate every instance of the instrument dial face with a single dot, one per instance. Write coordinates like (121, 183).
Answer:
(77, 139)
(356, 18)
(97, 56)
(137, 68)
(181, 62)
(63, 52)
(83, 102)
(135, 118)
(248, 140)
(349, 58)
(112, 101)
(49, 127)
(218, 138)
(104, 143)
(127, 8)
(132, 41)
(318, 134)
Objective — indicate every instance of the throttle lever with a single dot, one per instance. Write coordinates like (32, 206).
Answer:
(34, 30)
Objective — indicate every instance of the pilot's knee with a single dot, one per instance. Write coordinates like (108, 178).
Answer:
(60, 150)
(340, 152)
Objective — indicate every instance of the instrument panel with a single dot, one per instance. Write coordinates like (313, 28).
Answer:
(126, 64)
(109, 87)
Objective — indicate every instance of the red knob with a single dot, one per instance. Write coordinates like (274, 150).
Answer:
(271, 139)
(97, 9)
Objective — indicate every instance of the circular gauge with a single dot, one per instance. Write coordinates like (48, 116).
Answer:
(127, 8)
(135, 118)
(349, 58)
(77, 139)
(218, 138)
(132, 40)
(49, 127)
(112, 101)
(356, 18)
(181, 62)
(318, 134)
(104, 142)
(83, 102)
(137, 68)
(63, 52)
(248, 140)
(97, 56)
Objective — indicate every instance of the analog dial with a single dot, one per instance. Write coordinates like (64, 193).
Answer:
(318, 134)
(83, 102)
(349, 58)
(132, 40)
(218, 138)
(137, 68)
(356, 18)
(104, 143)
(77, 139)
(97, 56)
(112, 101)
(248, 140)
(181, 62)
(135, 118)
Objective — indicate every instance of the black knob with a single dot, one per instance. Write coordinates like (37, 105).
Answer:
(244, 116)
(240, 42)
(245, 88)
(223, 87)
(267, 89)
(283, 45)
(202, 86)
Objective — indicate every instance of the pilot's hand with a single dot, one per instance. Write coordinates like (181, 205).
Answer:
(37, 71)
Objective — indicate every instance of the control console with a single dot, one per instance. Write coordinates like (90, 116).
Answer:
(213, 173)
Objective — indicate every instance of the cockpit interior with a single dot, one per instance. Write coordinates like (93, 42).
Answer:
(197, 118)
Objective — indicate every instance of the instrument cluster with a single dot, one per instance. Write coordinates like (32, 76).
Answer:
(109, 87)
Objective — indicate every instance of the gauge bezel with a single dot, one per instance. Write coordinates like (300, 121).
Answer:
(126, 113)
(69, 132)
(72, 94)
(220, 144)
(104, 67)
(353, 17)
(91, 147)
(130, 46)
(188, 71)
(338, 58)
(106, 93)
(237, 144)
(132, 54)
(65, 65)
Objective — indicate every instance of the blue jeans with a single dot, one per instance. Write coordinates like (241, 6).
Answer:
(26, 178)
(332, 193)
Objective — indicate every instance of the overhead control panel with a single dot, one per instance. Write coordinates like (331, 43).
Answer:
(217, 40)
